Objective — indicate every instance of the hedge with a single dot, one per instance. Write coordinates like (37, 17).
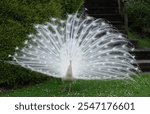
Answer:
(17, 18)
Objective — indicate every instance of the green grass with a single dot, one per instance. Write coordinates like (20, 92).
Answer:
(142, 42)
(53, 87)
(17, 18)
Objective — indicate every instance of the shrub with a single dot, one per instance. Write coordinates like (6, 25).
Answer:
(71, 6)
(17, 18)
(139, 16)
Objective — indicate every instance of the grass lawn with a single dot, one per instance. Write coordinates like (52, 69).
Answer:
(53, 87)
(142, 42)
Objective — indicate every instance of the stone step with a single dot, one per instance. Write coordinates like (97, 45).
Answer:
(109, 17)
(117, 24)
(100, 3)
(144, 65)
(142, 54)
(107, 9)
(102, 10)
(143, 58)
(114, 19)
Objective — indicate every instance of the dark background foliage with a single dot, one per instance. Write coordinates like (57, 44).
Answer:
(17, 18)
(139, 16)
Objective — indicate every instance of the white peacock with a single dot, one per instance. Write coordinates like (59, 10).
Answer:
(78, 48)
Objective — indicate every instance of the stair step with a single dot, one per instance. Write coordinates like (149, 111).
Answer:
(142, 54)
(120, 27)
(144, 65)
(109, 17)
(103, 10)
(100, 3)
(108, 9)
(117, 24)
